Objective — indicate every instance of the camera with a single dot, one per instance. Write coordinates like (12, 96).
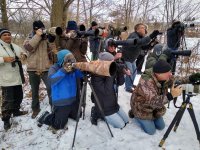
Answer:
(13, 64)
(181, 26)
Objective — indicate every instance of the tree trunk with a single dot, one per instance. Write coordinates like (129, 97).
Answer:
(57, 13)
(4, 14)
(77, 12)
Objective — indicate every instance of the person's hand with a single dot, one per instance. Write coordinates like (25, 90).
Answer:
(127, 72)
(176, 90)
(23, 57)
(8, 59)
(39, 32)
(118, 56)
(194, 78)
(154, 34)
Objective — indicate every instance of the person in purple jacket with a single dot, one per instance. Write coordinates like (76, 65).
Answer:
(65, 98)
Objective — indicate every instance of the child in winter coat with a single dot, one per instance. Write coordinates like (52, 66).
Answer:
(65, 98)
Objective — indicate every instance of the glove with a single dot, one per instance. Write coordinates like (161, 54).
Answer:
(176, 90)
(194, 78)
(154, 34)
(69, 59)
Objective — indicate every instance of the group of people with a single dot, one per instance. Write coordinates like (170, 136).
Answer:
(63, 82)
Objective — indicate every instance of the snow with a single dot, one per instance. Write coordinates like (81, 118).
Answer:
(25, 134)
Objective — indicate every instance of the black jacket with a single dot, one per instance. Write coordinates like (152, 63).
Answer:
(104, 88)
(173, 37)
(131, 52)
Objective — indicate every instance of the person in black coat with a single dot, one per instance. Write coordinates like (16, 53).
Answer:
(106, 93)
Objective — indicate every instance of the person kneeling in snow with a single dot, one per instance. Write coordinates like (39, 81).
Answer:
(105, 91)
(65, 98)
(151, 94)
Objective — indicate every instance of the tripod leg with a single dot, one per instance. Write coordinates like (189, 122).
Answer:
(84, 101)
(79, 110)
(100, 108)
(192, 115)
(180, 117)
(171, 126)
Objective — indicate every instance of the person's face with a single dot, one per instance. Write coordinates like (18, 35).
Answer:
(111, 48)
(95, 27)
(163, 76)
(6, 37)
(141, 30)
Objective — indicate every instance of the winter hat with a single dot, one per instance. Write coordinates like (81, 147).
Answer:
(61, 55)
(94, 23)
(106, 56)
(161, 66)
(72, 25)
(157, 50)
(4, 30)
(110, 42)
(38, 24)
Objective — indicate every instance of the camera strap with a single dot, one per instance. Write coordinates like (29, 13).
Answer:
(5, 50)
(19, 64)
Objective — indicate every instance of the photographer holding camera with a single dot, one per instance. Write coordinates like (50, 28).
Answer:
(75, 44)
(151, 94)
(131, 52)
(104, 87)
(38, 62)
(174, 34)
(11, 77)
(65, 96)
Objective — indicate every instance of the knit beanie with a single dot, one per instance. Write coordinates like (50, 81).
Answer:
(157, 50)
(161, 66)
(106, 56)
(4, 30)
(72, 25)
(94, 23)
(38, 24)
(61, 55)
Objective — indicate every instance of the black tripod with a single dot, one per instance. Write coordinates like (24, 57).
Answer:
(179, 115)
(83, 103)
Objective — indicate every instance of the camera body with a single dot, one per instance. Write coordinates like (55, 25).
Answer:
(13, 64)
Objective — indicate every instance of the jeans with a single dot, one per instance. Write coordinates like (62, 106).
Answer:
(130, 79)
(150, 126)
(118, 119)
(35, 80)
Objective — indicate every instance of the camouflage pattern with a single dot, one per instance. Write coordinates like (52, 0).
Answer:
(104, 68)
(149, 97)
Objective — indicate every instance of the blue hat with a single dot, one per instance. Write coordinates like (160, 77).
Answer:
(72, 25)
(61, 55)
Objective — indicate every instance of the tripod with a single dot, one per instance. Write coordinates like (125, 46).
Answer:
(83, 103)
(179, 115)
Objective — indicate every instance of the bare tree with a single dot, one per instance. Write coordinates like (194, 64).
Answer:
(4, 16)
(59, 12)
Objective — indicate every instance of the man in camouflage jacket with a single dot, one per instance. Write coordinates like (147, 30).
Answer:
(151, 94)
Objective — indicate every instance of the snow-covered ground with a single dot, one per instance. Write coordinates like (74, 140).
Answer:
(25, 134)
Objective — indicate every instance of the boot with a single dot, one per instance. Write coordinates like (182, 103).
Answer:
(35, 113)
(93, 117)
(7, 125)
(42, 118)
(130, 114)
(19, 113)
